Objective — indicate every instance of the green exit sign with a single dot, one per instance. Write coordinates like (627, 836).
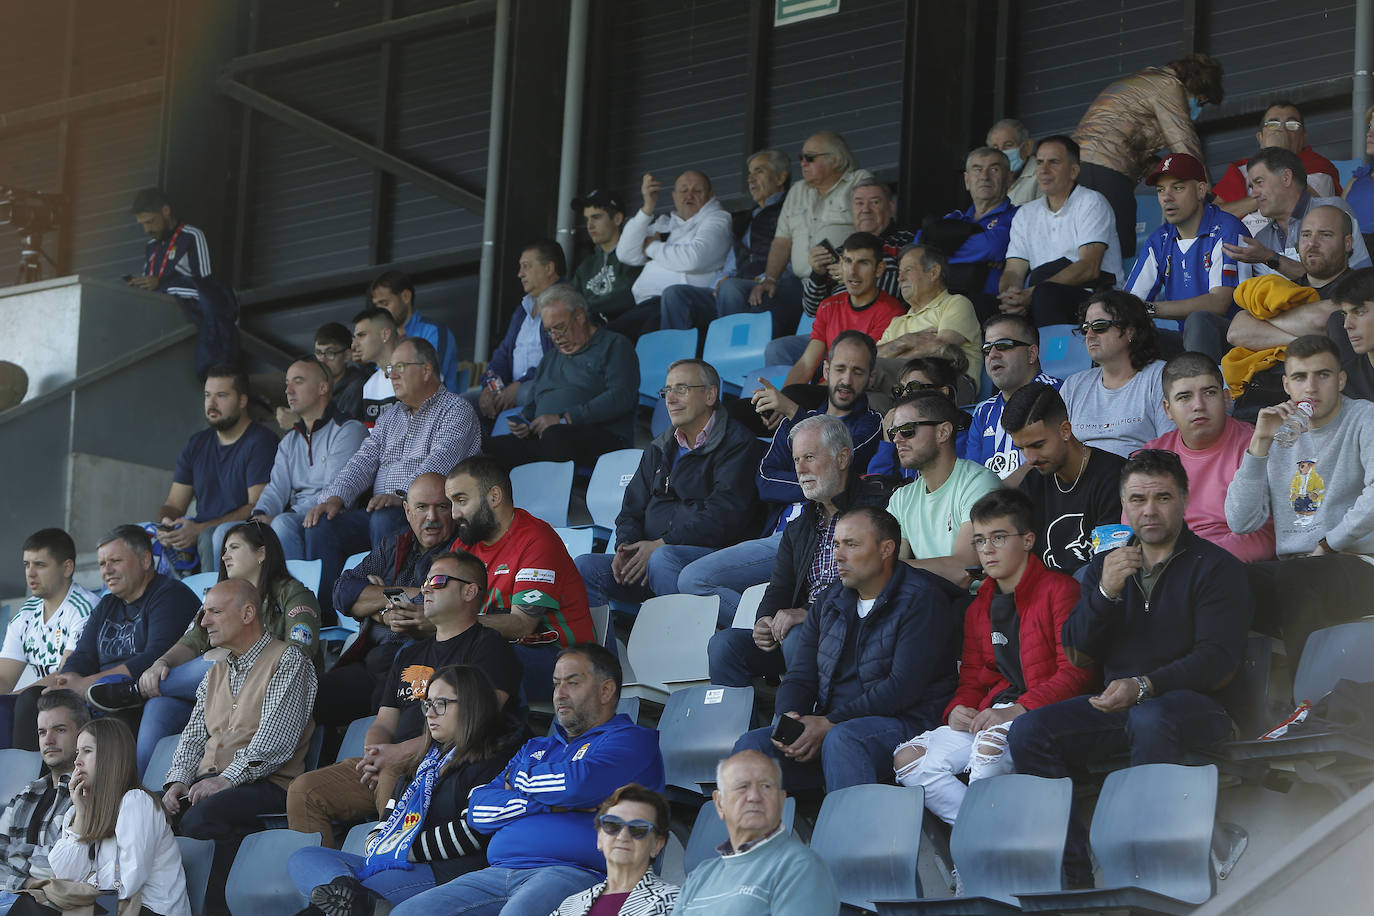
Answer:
(786, 12)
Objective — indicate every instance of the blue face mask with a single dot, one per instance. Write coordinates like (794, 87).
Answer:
(1194, 108)
(1014, 159)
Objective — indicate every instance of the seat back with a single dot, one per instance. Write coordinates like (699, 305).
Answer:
(1331, 654)
(699, 728)
(805, 323)
(606, 489)
(1149, 216)
(877, 862)
(1153, 829)
(356, 841)
(17, 769)
(601, 626)
(1246, 697)
(628, 706)
(355, 736)
(543, 489)
(577, 540)
(1010, 834)
(258, 883)
(748, 606)
(196, 858)
(1062, 354)
(501, 425)
(315, 749)
(668, 642)
(200, 583)
(735, 343)
(708, 832)
(747, 382)
(657, 350)
(307, 572)
(155, 774)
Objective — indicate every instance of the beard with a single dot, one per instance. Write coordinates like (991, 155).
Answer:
(478, 528)
(225, 421)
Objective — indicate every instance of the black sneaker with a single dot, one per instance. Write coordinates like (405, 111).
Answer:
(115, 696)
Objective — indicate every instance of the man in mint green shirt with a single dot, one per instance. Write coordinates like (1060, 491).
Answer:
(933, 509)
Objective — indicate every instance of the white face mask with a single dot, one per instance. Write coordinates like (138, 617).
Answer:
(1014, 160)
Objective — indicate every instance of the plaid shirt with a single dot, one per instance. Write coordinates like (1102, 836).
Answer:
(22, 859)
(406, 443)
(285, 712)
(823, 570)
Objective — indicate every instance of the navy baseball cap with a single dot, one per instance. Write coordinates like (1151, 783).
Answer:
(599, 198)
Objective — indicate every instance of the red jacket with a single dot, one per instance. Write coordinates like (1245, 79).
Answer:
(1044, 599)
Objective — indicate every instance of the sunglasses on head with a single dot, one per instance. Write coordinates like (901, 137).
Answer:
(439, 580)
(1003, 345)
(1100, 326)
(910, 388)
(907, 430)
(612, 825)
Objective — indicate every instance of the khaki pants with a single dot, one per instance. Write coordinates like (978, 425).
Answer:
(336, 793)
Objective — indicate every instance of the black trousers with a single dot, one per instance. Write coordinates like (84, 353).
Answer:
(1295, 596)
(563, 442)
(1120, 193)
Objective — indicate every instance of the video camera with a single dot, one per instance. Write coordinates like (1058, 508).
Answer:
(30, 212)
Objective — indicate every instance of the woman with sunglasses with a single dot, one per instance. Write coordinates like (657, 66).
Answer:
(924, 373)
(423, 842)
(290, 612)
(632, 828)
(116, 836)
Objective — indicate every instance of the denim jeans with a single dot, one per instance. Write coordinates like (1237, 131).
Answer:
(507, 891)
(333, 540)
(315, 865)
(729, 571)
(169, 713)
(665, 564)
(856, 752)
(287, 527)
(1059, 739)
(735, 661)
(784, 305)
(785, 351)
(683, 305)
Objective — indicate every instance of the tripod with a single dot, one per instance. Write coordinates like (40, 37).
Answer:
(31, 257)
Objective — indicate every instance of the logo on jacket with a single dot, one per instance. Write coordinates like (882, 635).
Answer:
(581, 752)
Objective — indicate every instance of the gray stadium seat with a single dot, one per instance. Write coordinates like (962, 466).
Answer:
(258, 883)
(353, 738)
(17, 769)
(708, 832)
(155, 775)
(699, 728)
(870, 837)
(196, 858)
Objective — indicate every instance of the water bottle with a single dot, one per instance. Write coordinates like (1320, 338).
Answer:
(1297, 423)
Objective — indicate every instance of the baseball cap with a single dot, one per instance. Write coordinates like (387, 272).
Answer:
(1179, 165)
(600, 198)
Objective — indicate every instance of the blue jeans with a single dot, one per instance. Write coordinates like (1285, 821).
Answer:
(312, 866)
(210, 546)
(334, 540)
(729, 571)
(686, 306)
(856, 752)
(785, 351)
(507, 891)
(735, 661)
(785, 304)
(1065, 737)
(287, 527)
(169, 713)
(665, 564)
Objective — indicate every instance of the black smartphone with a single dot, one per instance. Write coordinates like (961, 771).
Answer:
(825, 243)
(787, 730)
(394, 592)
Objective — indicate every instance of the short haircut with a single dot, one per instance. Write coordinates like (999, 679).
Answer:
(334, 333)
(1347, 224)
(933, 405)
(1070, 147)
(634, 792)
(1277, 159)
(1280, 103)
(1201, 75)
(1130, 311)
(548, 252)
(1156, 462)
(928, 256)
(55, 541)
(1004, 502)
(1355, 288)
(394, 281)
(857, 337)
(1309, 345)
(424, 352)
(604, 664)
(772, 761)
(1024, 326)
(885, 526)
(133, 537)
(835, 435)
(486, 472)
(777, 160)
(380, 316)
(705, 179)
(68, 700)
(836, 146)
(987, 151)
(1188, 365)
(865, 240)
(1022, 135)
(235, 374)
(471, 567)
(878, 183)
(149, 200)
(940, 371)
(1033, 403)
(707, 372)
(310, 359)
(561, 294)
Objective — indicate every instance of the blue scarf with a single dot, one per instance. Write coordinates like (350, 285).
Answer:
(391, 848)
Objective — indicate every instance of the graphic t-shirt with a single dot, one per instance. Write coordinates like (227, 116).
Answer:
(415, 664)
(1064, 522)
(42, 643)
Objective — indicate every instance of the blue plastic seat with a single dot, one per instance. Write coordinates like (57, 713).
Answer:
(500, 426)
(660, 420)
(804, 325)
(352, 745)
(543, 489)
(577, 540)
(879, 861)
(606, 489)
(735, 344)
(258, 883)
(196, 858)
(748, 382)
(708, 832)
(200, 583)
(356, 841)
(307, 572)
(17, 769)
(155, 774)
(698, 728)
(1149, 216)
(1061, 353)
(657, 350)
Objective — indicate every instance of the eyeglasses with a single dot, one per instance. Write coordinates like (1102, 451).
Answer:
(1100, 326)
(678, 390)
(1291, 124)
(901, 391)
(612, 825)
(436, 706)
(395, 369)
(333, 353)
(812, 157)
(997, 541)
(439, 580)
(907, 430)
(1003, 345)
(559, 330)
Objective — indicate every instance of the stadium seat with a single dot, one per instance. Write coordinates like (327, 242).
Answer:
(628, 706)
(196, 858)
(748, 607)
(1149, 216)
(307, 572)
(879, 861)
(1009, 839)
(577, 540)
(200, 583)
(657, 350)
(312, 753)
(543, 489)
(606, 490)
(258, 884)
(735, 344)
(804, 325)
(352, 745)
(499, 426)
(356, 841)
(660, 421)
(17, 769)
(355, 559)
(601, 625)
(667, 647)
(1062, 354)
(698, 728)
(1152, 837)
(708, 832)
(155, 774)
(748, 382)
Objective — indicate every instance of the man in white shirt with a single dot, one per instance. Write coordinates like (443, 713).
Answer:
(1063, 245)
(49, 623)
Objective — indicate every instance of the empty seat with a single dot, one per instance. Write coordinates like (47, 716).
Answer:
(657, 350)
(200, 583)
(258, 884)
(748, 607)
(577, 540)
(155, 774)
(543, 489)
(1061, 353)
(17, 769)
(735, 344)
(196, 858)
(698, 728)
(606, 489)
(667, 647)
(708, 832)
(307, 572)
(878, 861)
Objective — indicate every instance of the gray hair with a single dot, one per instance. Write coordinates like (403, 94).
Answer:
(424, 352)
(563, 294)
(707, 372)
(133, 537)
(777, 161)
(987, 151)
(837, 147)
(1022, 135)
(772, 761)
(834, 434)
(871, 183)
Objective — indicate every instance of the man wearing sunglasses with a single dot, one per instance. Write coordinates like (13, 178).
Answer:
(359, 787)
(1282, 125)
(1011, 356)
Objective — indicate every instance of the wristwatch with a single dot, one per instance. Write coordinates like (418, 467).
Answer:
(1144, 689)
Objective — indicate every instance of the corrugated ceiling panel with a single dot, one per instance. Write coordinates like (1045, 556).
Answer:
(114, 155)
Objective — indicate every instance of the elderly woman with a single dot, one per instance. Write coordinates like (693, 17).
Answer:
(632, 826)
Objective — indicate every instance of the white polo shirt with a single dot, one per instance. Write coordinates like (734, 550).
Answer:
(1039, 236)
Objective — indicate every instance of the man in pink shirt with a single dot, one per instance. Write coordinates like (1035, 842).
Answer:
(1210, 444)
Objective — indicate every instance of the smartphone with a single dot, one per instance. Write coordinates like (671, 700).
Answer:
(830, 249)
(788, 730)
(394, 592)
(166, 527)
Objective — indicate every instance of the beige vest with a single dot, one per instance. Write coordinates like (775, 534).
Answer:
(232, 721)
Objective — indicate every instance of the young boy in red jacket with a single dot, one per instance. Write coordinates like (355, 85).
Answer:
(1012, 659)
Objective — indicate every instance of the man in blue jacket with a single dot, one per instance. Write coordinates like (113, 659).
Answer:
(1166, 616)
(517, 357)
(540, 811)
(395, 292)
(876, 657)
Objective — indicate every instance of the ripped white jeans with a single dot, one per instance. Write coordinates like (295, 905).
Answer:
(945, 753)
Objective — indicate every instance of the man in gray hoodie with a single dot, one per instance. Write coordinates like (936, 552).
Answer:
(1320, 492)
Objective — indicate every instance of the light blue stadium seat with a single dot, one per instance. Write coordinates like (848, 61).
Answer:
(657, 350)
(355, 736)
(17, 769)
(708, 832)
(500, 426)
(735, 344)
(200, 583)
(878, 862)
(606, 489)
(1061, 353)
(307, 572)
(155, 775)
(577, 540)
(258, 883)
(543, 489)
(698, 728)
(748, 382)
(196, 858)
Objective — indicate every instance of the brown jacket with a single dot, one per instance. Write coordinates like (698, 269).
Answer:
(1133, 118)
(232, 721)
